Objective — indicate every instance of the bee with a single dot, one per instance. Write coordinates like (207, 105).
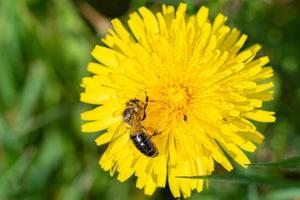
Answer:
(133, 115)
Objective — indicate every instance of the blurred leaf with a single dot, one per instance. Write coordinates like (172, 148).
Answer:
(191, 9)
(117, 190)
(284, 194)
(9, 143)
(7, 84)
(5, 132)
(170, 2)
(252, 192)
(248, 179)
(9, 48)
(77, 189)
(10, 180)
(288, 163)
(41, 120)
(49, 156)
(31, 92)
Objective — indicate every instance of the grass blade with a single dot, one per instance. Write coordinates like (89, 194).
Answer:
(288, 163)
(32, 91)
(9, 143)
(248, 179)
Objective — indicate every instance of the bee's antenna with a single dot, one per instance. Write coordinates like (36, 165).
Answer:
(147, 99)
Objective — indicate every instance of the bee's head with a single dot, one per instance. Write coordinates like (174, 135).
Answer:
(135, 103)
(136, 108)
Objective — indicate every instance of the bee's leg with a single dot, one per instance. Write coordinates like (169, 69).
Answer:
(151, 132)
(145, 106)
(156, 132)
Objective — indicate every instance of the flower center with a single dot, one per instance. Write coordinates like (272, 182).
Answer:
(176, 97)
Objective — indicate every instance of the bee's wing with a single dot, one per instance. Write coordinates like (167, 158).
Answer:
(117, 134)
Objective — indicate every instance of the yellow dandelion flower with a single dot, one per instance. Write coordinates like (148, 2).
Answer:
(204, 92)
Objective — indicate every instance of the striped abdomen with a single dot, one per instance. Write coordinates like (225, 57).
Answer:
(143, 143)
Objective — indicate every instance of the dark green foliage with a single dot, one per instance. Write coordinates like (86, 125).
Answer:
(44, 51)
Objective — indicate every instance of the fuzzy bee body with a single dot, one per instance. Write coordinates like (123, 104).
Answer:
(133, 114)
(143, 143)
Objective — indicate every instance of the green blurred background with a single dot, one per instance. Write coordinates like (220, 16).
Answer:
(44, 49)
